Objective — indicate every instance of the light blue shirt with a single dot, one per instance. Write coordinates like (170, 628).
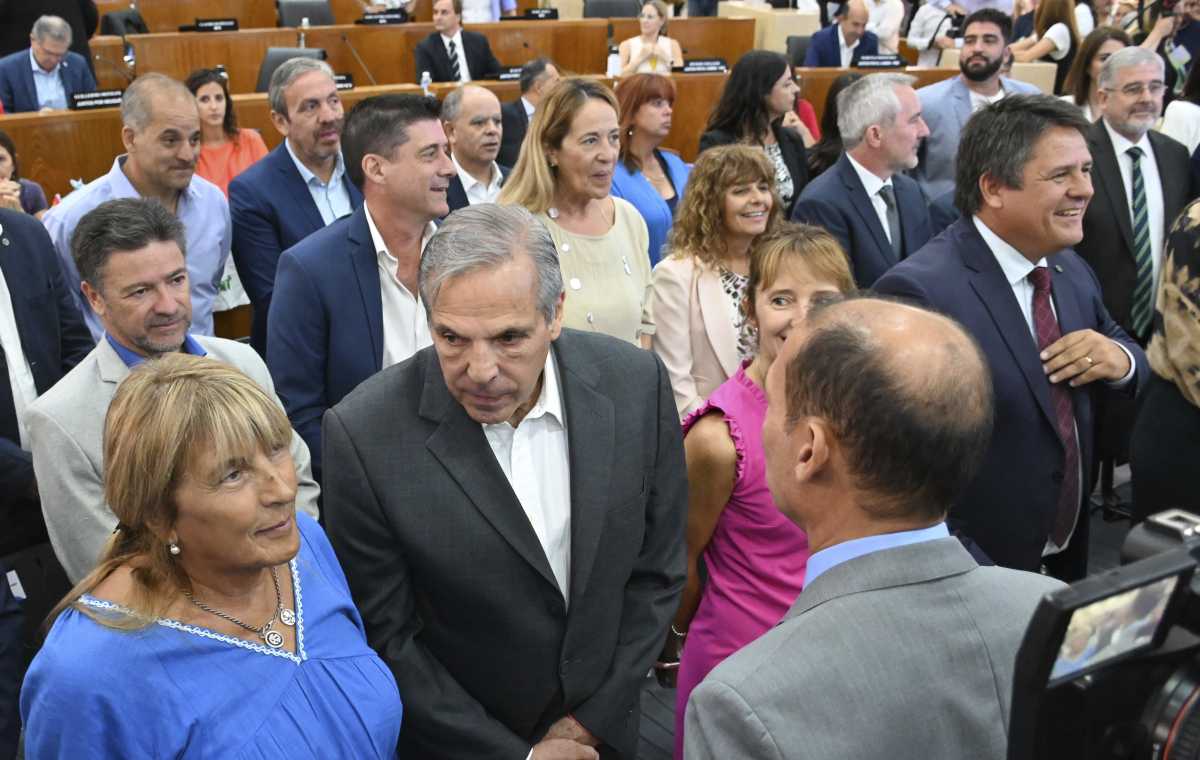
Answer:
(332, 197)
(205, 216)
(847, 550)
(133, 358)
(50, 91)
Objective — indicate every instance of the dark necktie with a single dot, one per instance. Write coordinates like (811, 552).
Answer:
(1142, 307)
(455, 72)
(8, 407)
(893, 219)
(1048, 331)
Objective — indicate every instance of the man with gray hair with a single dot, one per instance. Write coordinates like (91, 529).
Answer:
(508, 506)
(865, 200)
(160, 128)
(46, 75)
(471, 117)
(297, 188)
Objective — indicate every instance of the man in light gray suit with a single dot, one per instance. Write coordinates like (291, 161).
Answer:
(131, 258)
(900, 645)
(947, 105)
(508, 505)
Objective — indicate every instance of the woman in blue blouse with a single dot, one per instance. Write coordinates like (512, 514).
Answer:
(651, 179)
(218, 622)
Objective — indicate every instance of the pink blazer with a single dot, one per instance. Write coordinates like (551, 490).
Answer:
(695, 336)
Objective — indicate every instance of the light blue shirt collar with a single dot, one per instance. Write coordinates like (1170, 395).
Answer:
(37, 69)
(835, 555)
(133, 359)
(307, 175)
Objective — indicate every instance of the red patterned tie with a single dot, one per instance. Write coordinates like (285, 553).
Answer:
(1046, 325)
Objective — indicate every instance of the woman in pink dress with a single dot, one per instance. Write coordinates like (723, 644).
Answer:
(754, 556)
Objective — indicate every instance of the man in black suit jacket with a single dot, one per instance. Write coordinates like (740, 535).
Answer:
(876, 212)
(1006, 272)
(471, 118)
(538, 77)
(470, 48)
(508, 506)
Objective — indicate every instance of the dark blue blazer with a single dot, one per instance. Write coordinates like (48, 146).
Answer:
(19, 93)
(1009, 508)
(837, 201)
(53, 336)
(325, 331)
(456, 194)
(824, 50)
(272, 210)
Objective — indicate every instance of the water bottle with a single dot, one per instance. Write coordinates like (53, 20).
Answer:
(614, 62)
(303, 28)
(426, 80)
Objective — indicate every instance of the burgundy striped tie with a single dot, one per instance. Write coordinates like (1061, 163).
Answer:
(1048, 331)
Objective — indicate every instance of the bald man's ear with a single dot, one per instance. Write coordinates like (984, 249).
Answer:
(810, 440)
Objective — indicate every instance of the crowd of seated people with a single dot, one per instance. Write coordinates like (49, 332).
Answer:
(531, 405)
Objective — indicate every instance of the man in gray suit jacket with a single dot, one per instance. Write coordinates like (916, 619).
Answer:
(900, 645)
(948, 104)
(508, 505)
(130, 256)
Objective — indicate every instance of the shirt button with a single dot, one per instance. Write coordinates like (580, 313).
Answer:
(566, 247)
(591, 319)
(575, 283)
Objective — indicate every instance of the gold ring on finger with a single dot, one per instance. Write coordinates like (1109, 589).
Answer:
(1090, 360)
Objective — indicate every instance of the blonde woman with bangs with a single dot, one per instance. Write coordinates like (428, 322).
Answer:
(218, 622)
(698, 289)
(564, 177)
(754, 556)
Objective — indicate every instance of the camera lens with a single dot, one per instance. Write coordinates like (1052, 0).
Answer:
(1173, 715)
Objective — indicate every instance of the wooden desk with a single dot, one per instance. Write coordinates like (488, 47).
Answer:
(111, 71)
(577, 46)
(815, 82)
(772, 26)
(728, 38)
(1037, 73)
(169, 15)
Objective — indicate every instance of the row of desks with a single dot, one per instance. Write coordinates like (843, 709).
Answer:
(169, 15)
(57, 147)
(577, 46)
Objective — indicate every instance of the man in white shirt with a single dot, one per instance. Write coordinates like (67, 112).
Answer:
(451, 53)
(508, 506)
(346, 302)
(471, 117)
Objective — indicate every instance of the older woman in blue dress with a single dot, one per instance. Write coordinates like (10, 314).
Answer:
(218, 622)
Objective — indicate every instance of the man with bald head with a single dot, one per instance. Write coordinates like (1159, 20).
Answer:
(878, 416)
(160, 128)
(474, 127)
(842, 43)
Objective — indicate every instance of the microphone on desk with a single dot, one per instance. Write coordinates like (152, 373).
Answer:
(123, 71)
(357, 57)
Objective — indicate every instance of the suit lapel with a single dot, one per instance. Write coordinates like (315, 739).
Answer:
(866, 211)
(461, 447)
(962, 103)
(991, 286)
(1174, 178)
(364, 260)
(301, 197)
(1104, 163)
(714, 310)
(456, 194)
(30, 87)
(112, 367)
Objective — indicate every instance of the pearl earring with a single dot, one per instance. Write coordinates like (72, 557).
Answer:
(174, 549)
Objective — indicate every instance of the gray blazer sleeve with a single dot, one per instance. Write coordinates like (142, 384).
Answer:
(720, 725)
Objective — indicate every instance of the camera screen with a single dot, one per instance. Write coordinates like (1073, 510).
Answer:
(1109, 628)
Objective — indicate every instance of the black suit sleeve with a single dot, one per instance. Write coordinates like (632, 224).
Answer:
(1107, 326)
(713, 138)
(16, 473)
(435, 705)
(653, 590)
(491, 67)
(91, 17)
(424, 62)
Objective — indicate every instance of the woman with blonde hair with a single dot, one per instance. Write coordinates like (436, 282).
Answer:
(652, 51)
(698, 290)
(564, 177)
(1054, 39)
(754, 557)
(218, 622)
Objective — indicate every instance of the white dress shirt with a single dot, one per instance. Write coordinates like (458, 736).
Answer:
(1154, 195)
(884, 18)
(1016, 270)
(478, 192)
(873, 184)
(534, 458)
(405, 326)
(464, 73)
(847, 51)
(979, 101)
(20, 376)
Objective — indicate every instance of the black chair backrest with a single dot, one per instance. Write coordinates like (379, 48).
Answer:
(292, 12)
(275, 58)
(611, 8)
(797, 48)
(121, 23)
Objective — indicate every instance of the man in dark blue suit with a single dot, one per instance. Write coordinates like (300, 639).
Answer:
(295, 190)
(346, 303)
(865, 200)
(46, 74)
(42, 336)
(471, 118)
(1006, 272)
(841, 44)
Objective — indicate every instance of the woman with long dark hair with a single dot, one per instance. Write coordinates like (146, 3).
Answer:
(757, 107)
(1083, 80)
(1054, 39)
(225, 150)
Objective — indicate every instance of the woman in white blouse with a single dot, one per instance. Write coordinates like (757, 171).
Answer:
(1182, 120)
(1054, 39)
(652, 51)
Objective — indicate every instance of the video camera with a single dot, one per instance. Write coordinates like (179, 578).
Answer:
(1109, 668)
